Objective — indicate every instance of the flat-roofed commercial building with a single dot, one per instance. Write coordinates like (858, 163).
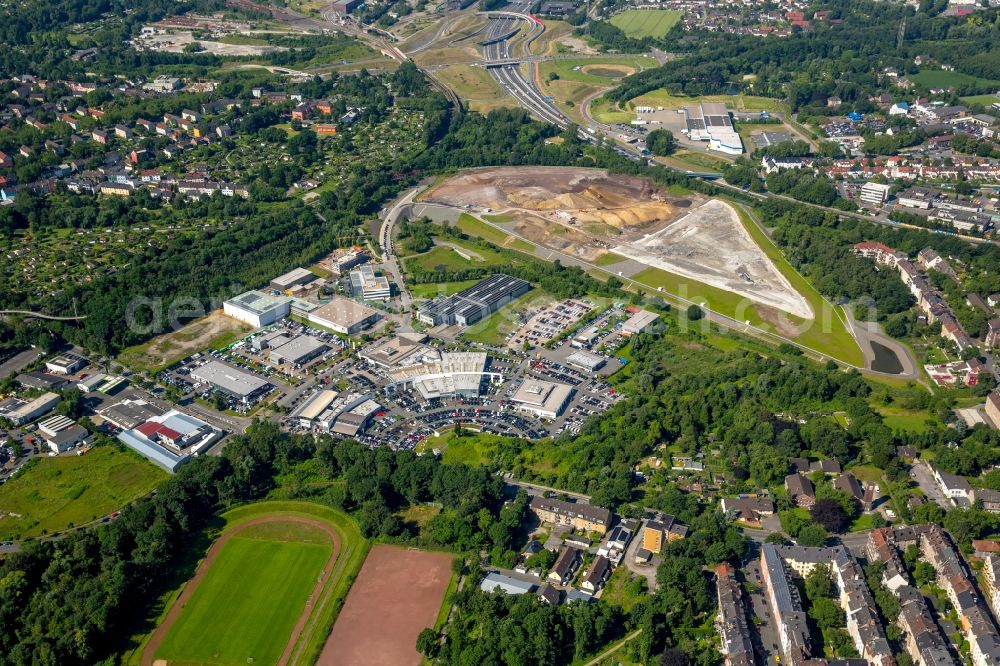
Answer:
(353, 421)
(90, 384)
(365, 284)
(297, 350)
(257, 308)
(475, 303)
(128, 414)
(170, 439)
(292, 278)
(344, 316)
(310, 410)
(711, 122)
(342, 261)
(328, 411)
(444, 375)
(62, 433)
(19, 411)
(917, 197)
(875, 193)
(65, 364)
(586, 361)
(545, 399)
(397, 352)
(639, 322)
(230, 381)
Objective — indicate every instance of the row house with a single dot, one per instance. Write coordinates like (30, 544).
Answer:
(731, 622)
(863, 624)
(929, 300)
(975, 620)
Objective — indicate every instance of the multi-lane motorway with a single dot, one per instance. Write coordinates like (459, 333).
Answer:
(509, 76)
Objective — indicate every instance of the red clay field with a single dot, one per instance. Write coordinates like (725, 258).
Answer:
(397, 594)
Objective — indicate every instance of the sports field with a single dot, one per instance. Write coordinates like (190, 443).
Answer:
(266, 591)
(247, 605)
(985, 100)
(938, 78)
(639, 23)
(397, 595)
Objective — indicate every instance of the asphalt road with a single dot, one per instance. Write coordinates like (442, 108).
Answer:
(390, 262)
(18, 362)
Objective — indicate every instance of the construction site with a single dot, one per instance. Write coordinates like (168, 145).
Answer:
(710, 245)
(625, 224)
(581, 212)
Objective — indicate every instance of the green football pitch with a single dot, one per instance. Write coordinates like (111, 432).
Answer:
(639, 23)
(246, 607)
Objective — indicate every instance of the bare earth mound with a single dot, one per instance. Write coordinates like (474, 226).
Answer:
(710, 245)
(585, 213)
(397, 594)
(573, 196)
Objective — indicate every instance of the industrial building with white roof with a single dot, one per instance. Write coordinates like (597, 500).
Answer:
(344, 316)
(232, 382)
(257, 308)
(170, 439)
(710, 121)
(544, 399)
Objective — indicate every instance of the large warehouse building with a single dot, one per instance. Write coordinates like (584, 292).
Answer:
(710, 121)
(545, 399)
(639, 322)
(585, 361)
(296, 350)
(292, 278)
(257, 308)
(230, 381)
(170, 439)
(344, 316)
(475, 303)
(19, 411)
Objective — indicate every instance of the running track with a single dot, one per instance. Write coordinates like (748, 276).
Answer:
(213, 553)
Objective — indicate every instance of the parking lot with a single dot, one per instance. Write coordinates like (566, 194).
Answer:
(288, 381)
